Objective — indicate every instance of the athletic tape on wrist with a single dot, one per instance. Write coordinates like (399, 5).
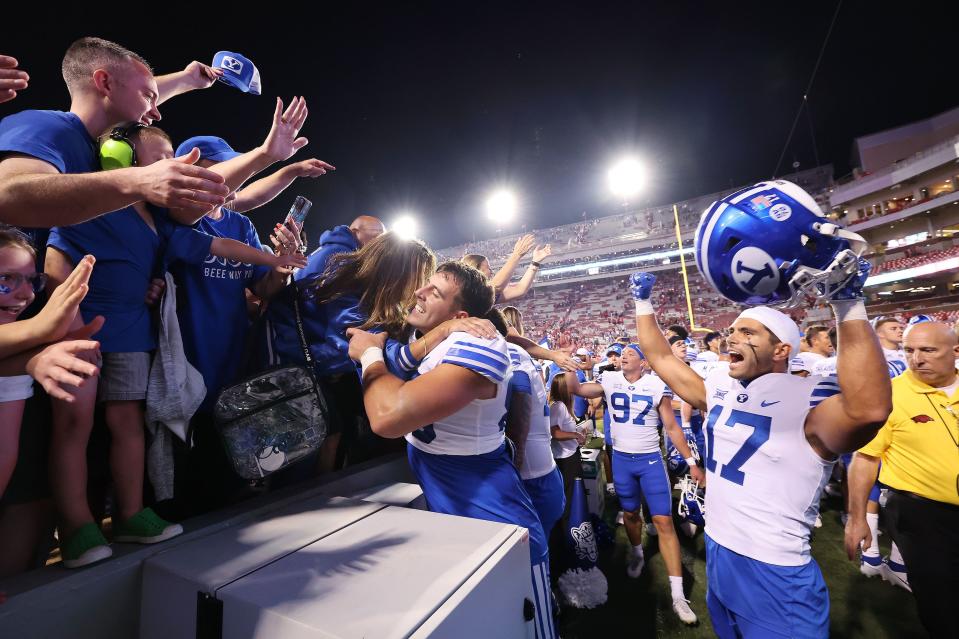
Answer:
(847, 310)
(644, 307)
(370, 356)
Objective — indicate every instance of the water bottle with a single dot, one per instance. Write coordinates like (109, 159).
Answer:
(301, 206)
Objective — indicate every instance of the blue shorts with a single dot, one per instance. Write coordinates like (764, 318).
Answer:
(638, 475)
(549, 497)
(479, 486)
(749, 598)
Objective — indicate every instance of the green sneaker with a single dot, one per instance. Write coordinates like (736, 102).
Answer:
(146, 527)
(85, 546)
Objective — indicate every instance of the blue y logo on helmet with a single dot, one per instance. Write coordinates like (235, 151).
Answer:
(755, 271)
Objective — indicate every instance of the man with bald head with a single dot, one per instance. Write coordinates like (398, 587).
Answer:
(341, 239)
(919, 450)
(366, 228)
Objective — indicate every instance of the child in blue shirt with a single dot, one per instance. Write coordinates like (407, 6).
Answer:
(129, 245)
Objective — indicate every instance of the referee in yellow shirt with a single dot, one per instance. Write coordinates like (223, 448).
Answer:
(919, 450)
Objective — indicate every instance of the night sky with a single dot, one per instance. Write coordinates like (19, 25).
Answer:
(428, 106)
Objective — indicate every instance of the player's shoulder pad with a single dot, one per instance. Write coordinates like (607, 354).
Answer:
(822, 388)
(487, 357)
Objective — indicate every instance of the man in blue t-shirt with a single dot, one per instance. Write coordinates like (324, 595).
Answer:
(48, 159)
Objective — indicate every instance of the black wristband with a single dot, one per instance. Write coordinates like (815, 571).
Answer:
(535, 263)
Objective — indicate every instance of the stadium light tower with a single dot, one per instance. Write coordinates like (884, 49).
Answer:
(405, 226)
(626, 178)
(501, 207)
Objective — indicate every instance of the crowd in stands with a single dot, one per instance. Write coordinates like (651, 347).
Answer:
(916, 259)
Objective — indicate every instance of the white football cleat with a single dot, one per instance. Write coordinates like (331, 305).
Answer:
(684, 612)
(818, 522)
(872, 566)
(635, 566)
(896, 574)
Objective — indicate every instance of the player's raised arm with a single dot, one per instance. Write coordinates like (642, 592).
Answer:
(589, 390)
(677, 375)
(850, 419)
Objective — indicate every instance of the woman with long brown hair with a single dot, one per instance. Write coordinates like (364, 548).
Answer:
(372, 287)
(566, 436)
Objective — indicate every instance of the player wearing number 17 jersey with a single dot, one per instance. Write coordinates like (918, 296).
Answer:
(771, 441)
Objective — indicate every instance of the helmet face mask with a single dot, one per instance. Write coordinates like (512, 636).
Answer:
(771, 245)
(692, 505)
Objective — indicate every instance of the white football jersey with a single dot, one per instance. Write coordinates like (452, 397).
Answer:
(826, 367)
(634, 411)
(538, 456)
(764, 478)
(478, 427)
(896, 361)
(704, 368)
(707, 356)
(810, 359)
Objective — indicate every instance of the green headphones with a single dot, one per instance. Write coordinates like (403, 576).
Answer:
(117, 151)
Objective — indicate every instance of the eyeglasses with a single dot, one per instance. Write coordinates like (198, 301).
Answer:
(10, 282)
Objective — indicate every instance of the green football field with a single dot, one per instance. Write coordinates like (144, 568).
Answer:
(860, 607)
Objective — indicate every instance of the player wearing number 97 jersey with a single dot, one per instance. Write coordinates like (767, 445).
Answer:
(638, 404)
(771, 440)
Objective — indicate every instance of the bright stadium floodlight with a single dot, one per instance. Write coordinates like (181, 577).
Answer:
(626, 178)
(405, 226)
(501, 207)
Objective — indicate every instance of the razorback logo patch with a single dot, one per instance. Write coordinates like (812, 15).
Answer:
(922, 419)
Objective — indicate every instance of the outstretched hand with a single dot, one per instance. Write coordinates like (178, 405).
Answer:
(283, 141)
(12, 79)
(56, 317)
(64, 367)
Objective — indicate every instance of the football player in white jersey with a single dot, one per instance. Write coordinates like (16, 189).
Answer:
(889, 330)
(527, 426)
(816, 346)
(713, 342)
(638, 405)
(453, 415)
(826, 367)
(771, 441)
